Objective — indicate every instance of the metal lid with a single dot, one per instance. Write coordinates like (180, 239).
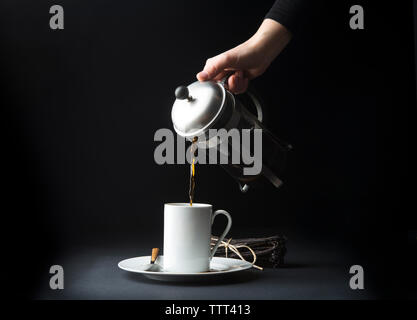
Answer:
(197, 107)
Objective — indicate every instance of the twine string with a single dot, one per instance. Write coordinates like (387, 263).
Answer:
(235, 249)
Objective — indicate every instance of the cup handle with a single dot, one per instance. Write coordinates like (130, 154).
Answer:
(226, 230)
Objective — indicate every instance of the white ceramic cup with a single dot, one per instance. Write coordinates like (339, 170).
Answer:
(187, 232)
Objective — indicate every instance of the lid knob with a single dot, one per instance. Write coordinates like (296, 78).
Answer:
(182, 93)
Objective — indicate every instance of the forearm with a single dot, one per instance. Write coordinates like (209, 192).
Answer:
(270, 39)
(249, 59)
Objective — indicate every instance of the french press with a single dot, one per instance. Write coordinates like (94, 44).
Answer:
(202, 106)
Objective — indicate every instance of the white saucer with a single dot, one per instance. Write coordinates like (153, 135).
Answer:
(218, 266)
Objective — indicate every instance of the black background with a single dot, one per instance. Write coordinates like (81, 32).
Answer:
(82, 106)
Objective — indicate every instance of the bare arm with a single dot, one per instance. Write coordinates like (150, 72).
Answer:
(249, 59)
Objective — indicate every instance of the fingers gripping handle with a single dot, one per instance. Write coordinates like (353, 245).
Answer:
(226, 230)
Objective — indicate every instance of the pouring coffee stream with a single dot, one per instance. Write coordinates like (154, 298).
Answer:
(193, 151)
(202, 106)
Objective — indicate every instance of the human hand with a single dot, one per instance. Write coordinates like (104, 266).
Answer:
(249, 59)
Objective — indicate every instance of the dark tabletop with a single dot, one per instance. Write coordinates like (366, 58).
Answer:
(312, 271)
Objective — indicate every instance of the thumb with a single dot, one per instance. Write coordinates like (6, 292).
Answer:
(216, 65)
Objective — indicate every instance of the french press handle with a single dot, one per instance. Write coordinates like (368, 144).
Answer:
(257, 105)
(245, 187)
(254, 99)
